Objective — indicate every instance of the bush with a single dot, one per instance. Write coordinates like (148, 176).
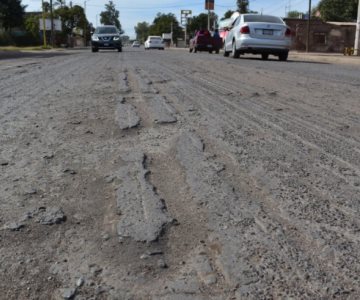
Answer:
(19, 39)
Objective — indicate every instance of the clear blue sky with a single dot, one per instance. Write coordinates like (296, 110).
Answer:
(134, 11)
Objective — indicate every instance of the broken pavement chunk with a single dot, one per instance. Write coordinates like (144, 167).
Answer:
(161, 112)
(143, 212)
(52, 216)
(126, 116)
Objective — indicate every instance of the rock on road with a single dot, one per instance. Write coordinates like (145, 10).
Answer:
(169, 175)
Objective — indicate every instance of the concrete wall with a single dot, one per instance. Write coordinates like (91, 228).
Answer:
(324, 37)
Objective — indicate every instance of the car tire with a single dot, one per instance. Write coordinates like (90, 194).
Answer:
(195, 50)
(119, 49)
(210, 51)
(94, 49)
(217, 51)
(283, 56)
(235, 53)
(264, 56)
(190, 50)
(226, 53)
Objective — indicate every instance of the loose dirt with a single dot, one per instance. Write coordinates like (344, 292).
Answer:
(170, 175)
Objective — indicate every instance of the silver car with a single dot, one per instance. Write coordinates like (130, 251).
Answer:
(258, 34)
(154, 42)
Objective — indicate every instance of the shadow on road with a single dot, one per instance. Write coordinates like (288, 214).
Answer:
(289, 61)
(39, 54)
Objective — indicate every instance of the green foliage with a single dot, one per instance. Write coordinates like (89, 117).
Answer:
(111, 16)
(32, 24)
(201, 22)
(227, 14)
(11, 14)
(19, 39)
(71, 17)
(243, 6)
(162, 24)
(142, 31)
(338, 10)
(294, 14)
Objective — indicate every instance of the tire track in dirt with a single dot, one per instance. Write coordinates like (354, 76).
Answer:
(188, 94)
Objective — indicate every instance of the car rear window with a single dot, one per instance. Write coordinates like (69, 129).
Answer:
(155, 39)
(263, 19)
(104, 30)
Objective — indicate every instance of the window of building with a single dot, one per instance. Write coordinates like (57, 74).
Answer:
(320, 38)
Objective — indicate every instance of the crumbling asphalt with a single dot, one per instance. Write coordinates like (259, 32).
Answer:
(170, 175)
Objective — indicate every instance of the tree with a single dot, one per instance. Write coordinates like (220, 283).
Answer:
(338, 10)
(163, 24)
(111, 16)
(71, 17)
(294, 14)
(11, 14)
(243, 6)
(32, 24)
(227, 14)
(201, 21)
(142, 31)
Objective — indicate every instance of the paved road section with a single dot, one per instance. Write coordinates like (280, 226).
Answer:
(170, 175)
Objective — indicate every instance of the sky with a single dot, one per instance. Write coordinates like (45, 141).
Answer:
(135, 11)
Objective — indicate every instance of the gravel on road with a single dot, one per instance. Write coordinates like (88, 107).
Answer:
(170, 175)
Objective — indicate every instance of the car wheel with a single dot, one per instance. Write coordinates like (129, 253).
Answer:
(264, 56)
(119, 49)
(217, 51)
(190, 50)
(283, 56)
(210, 51)
(235, 53)
(195, 50)
(226, 53)
(93, 49)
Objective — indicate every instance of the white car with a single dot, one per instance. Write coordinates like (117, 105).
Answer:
(135, 44)
(154, 42)
(258, 34)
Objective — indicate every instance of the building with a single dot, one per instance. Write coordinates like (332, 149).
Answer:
(324, 36)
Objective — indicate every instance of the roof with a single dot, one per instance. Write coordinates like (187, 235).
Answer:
(343, 23)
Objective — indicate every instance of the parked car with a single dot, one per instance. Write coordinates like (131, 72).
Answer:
(204, 41)
(154, 42)
(135, 44)
(106, 37)
(258, 34)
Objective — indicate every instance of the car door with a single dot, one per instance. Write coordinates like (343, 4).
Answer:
(231, 34)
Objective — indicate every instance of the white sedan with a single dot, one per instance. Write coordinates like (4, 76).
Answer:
(258, 34)
(154, 42)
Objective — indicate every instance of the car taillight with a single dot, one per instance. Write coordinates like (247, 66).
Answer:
(245, 30)
(288, 32)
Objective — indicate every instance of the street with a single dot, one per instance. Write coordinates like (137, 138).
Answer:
(169, 175)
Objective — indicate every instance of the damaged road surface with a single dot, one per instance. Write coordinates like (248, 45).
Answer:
(164, 175)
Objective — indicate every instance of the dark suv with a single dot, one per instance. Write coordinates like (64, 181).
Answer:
(106, 37)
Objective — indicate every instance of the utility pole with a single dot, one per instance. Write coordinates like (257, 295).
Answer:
(172, 41)
(44, 24)
(208, 27)
(85, 22)
(357, 35)
(52, 24)
(308, 29)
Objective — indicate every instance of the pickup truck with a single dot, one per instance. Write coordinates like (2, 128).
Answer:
(203, 41)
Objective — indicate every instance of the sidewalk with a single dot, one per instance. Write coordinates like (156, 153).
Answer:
(332, 58)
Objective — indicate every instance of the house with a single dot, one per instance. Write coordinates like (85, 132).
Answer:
(324, 36)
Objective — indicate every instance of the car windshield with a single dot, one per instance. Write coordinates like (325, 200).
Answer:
(262, 18)
(104, 30)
